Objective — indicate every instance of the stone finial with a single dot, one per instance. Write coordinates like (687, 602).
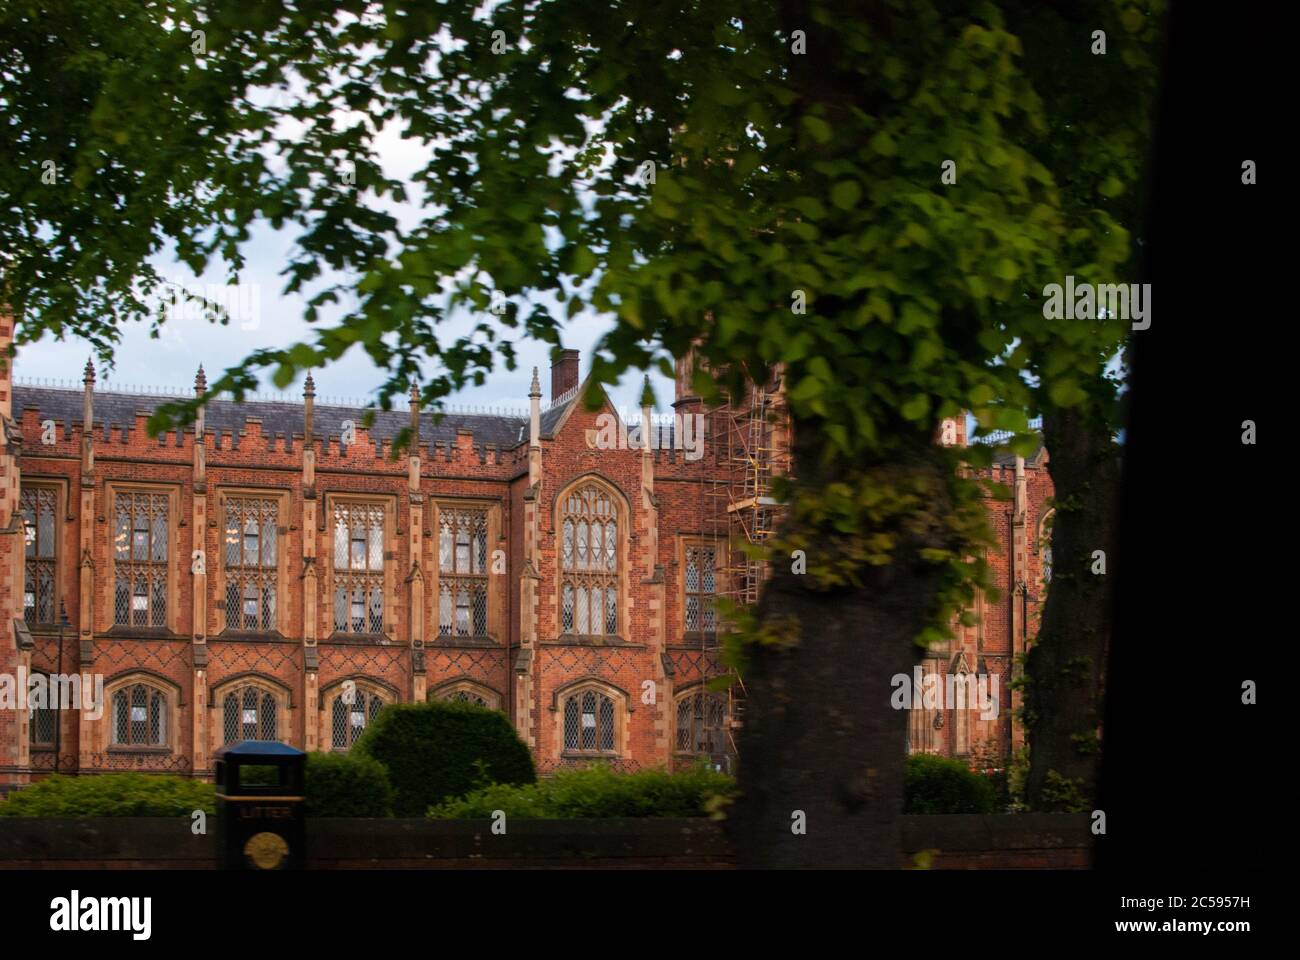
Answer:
(415, 417)
(308, 409)
(200, 381)
(647, 395)
(536, 389)
(89, 377)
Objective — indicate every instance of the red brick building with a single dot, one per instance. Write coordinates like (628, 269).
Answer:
(285, 577)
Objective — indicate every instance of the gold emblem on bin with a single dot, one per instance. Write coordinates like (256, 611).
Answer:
(266, 850)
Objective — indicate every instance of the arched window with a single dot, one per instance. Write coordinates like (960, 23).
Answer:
(589, 722)
(39, 506)
(140, 559)
(700, 586)
(924, 723)
(359, 568)
(351, 711)
(138, 716)
(462, 572)
(43, 723)
(589, 563)
(468, 696)
(467, 691)
(702, 724)
(249, 712)
(250, 562)
(965, 701)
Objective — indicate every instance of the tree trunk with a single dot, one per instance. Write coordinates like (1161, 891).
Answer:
(1065, 666)
(820, 735)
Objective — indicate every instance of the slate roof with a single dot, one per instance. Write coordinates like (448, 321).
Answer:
(503, 430)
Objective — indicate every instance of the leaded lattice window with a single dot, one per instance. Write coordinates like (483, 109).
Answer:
(467, 692)
(589, 722)
(348, 720)
(462, 572)
(39, 506)
(249, 713)
(249, 551)
(358, 568)
(961, 718)
(701, 588)
(701, 724)
(589, 563)
(139, 717)
(466, 696)
(43, 720)
(140, 559)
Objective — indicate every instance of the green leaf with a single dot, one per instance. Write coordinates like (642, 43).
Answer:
(846, 194)
(669, 188)
(1006, 269)
(884, 144)
(1066, 393)
(584, 261)
(810, 207)
(817, 128)
(916, 408)
(806, 389)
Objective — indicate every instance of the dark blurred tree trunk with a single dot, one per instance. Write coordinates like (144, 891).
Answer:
(820, 734)
(1065, 666)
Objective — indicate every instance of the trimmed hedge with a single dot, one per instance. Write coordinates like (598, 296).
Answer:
(111, 795)
(443, 749)
(598, 792)
(343, 785)
(934, 784)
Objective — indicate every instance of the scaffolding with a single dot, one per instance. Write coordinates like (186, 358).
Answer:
(750, 441)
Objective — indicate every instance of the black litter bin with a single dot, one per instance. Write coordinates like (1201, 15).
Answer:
(261, 823)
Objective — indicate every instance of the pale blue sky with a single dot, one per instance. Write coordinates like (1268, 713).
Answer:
(185, 342)
(172, 360)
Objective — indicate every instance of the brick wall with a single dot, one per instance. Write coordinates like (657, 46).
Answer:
(661, 498)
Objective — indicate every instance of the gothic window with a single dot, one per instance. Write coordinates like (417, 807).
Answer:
(358, 568)
(589, 563)
(589, 722)
(924, 723)
(249, 556)
(138, 716)
(466, 691)
(351, 711)
(468, 696)
(701, 724)
(961, 715)
(462, 572)
(140, 559)
(43, 720)
(1045, 545)
(249, 712)
(701, 588)
(39, 507)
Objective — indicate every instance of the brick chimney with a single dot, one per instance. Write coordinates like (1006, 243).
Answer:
(564, 373)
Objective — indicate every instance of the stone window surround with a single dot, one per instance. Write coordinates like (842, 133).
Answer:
(174, 554)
